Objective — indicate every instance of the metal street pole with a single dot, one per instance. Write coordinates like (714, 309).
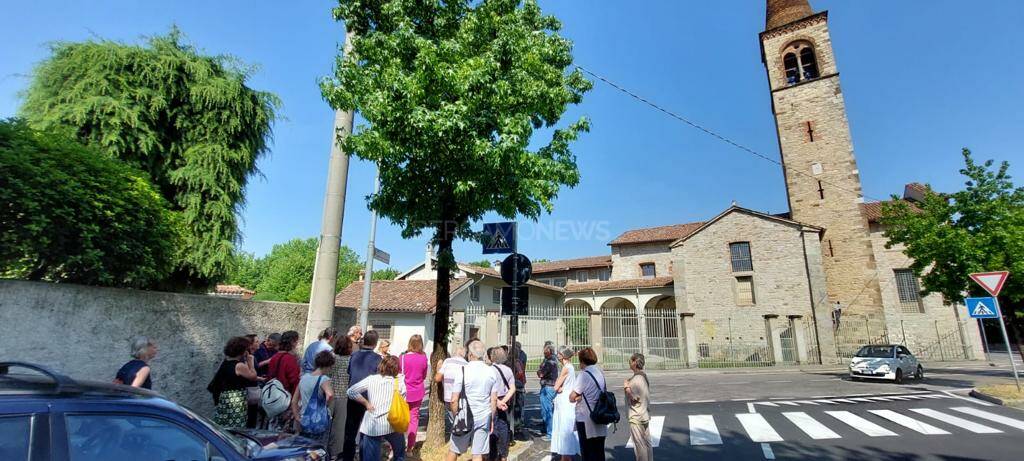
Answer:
(984, 340)
(514, 328)
(364, 307)
(320, 313)
(1006, 339)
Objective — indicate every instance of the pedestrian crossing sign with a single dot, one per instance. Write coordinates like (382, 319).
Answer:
(981, 308)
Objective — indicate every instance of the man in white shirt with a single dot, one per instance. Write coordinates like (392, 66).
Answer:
(479, 384)
(448, 371)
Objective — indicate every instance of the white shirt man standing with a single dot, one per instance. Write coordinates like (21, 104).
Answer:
(479, 383)
(448, 371)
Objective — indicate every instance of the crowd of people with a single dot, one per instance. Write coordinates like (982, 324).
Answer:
(344, 391)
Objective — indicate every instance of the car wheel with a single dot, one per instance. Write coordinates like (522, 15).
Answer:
(920, 373)
(899, 376)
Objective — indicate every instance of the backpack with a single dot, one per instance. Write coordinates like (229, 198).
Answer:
(315, 418)
(274, 399)
(605, 410)
(398, 414)
(464, 418)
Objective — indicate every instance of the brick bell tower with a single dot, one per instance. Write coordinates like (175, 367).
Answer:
(822, 180)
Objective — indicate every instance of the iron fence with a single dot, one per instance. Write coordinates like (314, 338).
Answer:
(731, 351)
(620, 331)
(853, 332)
(927, 341)
(666, 343)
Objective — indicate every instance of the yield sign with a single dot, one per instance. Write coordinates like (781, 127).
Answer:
(992, 282)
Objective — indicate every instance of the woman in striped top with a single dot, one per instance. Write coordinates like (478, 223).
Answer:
(375, 427)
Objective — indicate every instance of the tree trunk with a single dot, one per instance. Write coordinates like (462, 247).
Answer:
(442, 318)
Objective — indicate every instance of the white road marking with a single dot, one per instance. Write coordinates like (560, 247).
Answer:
(895, 397)
(861, 424)
(932, 396)
(758, 428)
(843, 400)
(656, 426)
(991, 416)
(767, 450)
(810, 426)
(827, 401)
(956, 421)
(807, 402)
(970, 399)
(666, 403)
(880, 399)
(703, 430)
(909, 423)
(792, 404)
(701, 401)
(742, 400)
(767, 404)
(861, 399)
(778, 381)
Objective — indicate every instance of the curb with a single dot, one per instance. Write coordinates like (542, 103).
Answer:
(988, 398)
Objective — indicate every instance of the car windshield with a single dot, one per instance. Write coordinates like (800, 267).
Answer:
(243, 445)
(875, 352)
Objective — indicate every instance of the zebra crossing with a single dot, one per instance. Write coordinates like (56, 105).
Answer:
(829, 424)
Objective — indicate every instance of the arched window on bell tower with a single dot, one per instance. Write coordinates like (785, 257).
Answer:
(799, 62)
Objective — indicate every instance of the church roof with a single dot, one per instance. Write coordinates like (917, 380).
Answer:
(416, 296)
(782, 12)
(569, 264)
(656, 234)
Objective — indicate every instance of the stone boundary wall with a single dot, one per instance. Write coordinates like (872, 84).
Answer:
(84, 331)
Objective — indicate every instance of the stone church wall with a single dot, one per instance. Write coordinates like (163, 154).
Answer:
(84, 331)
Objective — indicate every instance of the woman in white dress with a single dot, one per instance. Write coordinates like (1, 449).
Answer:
(563, 419)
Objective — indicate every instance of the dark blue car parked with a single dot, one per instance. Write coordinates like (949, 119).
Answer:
(46, 416)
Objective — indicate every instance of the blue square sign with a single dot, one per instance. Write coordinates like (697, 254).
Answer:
(500, 238)
(982, 308)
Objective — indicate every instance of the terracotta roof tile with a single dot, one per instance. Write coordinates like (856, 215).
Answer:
(415, 296)
(656, 234)
(568, 264)
(493, 273)
(619, 284)
(873, 210)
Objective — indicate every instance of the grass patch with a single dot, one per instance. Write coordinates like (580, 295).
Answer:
(1008, 393)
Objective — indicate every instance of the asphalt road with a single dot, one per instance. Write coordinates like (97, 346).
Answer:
(686, 402)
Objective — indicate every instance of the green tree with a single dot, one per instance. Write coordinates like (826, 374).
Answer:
(977, 229)
(453, 92)
(385, 274)
(286, 273)
(71, 214)
(481, 263)
(186, 119)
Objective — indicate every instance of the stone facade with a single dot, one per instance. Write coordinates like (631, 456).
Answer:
(822, 179)
(706, 284)
(626, 259)
(921, 326)
(84, 331)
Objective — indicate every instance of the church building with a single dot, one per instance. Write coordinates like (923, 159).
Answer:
(747, 288)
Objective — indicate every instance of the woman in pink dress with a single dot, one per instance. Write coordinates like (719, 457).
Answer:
(414, 366)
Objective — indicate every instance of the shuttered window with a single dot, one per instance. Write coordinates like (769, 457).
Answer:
(496, 295)
(909, 291)
(739, 252)
(474, 293)
(745, 291)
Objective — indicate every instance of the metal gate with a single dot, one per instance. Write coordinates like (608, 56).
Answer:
(811, 341)
(566, 325)
(475, 324)
(855, 332)
(787, 341)
(620, 330)
(665, 342)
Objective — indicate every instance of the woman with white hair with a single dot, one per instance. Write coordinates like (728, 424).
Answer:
(135, 373)
(563, 419)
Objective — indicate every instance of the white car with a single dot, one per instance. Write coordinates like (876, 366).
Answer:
(885, 361)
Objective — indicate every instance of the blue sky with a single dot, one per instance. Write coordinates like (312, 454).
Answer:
(921, 79)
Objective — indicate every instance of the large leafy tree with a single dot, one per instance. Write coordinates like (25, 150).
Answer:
(977, 229)
(187, 120)
(70, 214)
(285, 274)
(453, 92)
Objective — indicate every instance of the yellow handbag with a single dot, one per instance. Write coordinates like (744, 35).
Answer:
(398, 414)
